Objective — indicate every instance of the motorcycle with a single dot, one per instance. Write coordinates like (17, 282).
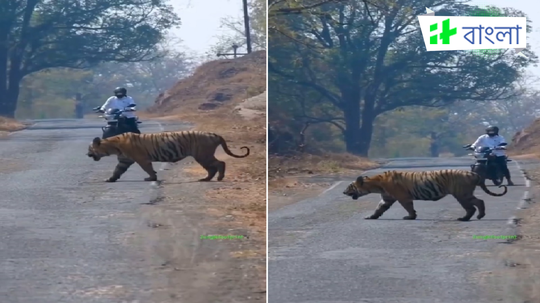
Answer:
(485, 164)
(115, 121)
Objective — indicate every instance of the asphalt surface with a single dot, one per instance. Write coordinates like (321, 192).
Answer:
(321, 250)
(65, 235)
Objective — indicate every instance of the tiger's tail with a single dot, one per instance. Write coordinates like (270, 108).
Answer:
(228, 151)
(482, 184)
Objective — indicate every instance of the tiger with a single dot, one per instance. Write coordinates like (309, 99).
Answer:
(406, 186)
(162, 147)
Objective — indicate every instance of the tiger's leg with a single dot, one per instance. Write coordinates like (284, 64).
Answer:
(481, 207)
(409, 207)
(468, 205)
(383, 206)
(221, 170)
(212, 166)
(478, 203)
(122, 166)
(148, 168)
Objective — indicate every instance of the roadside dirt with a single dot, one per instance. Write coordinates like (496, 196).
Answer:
(517, 277)
(202, 270)
(8, 125)
(214, 270)
(226, 97)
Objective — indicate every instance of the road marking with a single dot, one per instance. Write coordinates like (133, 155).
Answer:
(522, 172)
(331, 187)
(523, 202)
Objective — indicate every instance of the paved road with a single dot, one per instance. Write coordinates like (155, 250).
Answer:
(66, 236)
(322, 250)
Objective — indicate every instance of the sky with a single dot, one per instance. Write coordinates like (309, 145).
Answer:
(201, 21)
(532, 9)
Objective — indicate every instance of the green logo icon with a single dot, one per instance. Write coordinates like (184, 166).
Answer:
(445, 34)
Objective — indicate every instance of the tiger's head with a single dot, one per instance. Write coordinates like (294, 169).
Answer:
(361, 187)
(102, 148)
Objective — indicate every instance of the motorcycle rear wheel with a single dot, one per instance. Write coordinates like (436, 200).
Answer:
(497, 181)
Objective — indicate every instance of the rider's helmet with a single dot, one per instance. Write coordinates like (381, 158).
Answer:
(120, 92)
(492, 130)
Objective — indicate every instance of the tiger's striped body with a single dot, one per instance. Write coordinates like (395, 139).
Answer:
(405, 186)
(162, 147)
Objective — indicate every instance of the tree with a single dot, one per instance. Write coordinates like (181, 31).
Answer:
(37, 34)
(364, 60)
(50, 93)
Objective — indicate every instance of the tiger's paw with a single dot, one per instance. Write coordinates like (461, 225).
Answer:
(372, 217)
(111, 179)
(409, 217)
(204, 180)
(480, 216)
(463, 219)
(150, 179)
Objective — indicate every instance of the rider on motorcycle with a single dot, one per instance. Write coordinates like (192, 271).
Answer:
(120, 101)
(493, 139)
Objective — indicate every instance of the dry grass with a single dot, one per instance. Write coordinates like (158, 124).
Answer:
(526, 141)
(217, 83)
(285, 169)
(249, 174)
(10, 125)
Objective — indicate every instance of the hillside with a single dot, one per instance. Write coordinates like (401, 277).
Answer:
(527, 141)
(214, 84)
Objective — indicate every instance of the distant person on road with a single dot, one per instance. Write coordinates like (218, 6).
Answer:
(120, 101)
(492, 139)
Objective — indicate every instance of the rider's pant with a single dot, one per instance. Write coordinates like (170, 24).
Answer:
(501, 161)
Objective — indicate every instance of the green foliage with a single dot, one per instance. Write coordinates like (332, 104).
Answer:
(37, 35)
(50, 93)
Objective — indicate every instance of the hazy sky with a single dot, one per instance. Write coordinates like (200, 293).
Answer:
(529, 7)
(201, 21)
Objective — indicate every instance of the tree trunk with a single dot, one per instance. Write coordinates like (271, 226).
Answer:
(434, 146)
(352, 125)
(8, 102)
(4, 101)
(365, 133)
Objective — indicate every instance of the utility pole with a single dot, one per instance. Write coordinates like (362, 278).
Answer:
(248, 34)
(246, 25)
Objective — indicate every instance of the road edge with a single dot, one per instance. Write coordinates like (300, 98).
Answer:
(513, 221)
